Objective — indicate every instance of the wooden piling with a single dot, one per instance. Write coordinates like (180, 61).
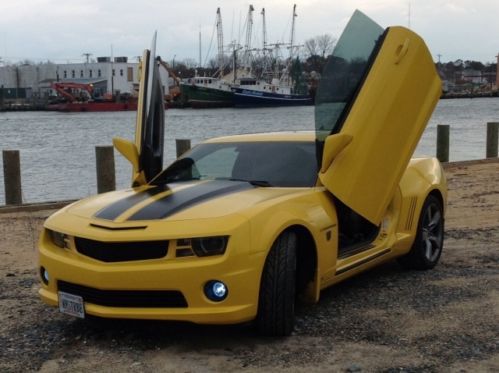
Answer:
(106, 179)
(443, 142)
(182, 146)
(12, 177)
(492, 139)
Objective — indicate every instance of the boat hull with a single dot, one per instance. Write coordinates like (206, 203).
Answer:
(206, 97)
(93, 106)
(253, 98)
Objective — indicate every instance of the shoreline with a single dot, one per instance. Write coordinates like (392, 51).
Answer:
(387, 319)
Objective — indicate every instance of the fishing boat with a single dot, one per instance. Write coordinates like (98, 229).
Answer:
(207, 92)
(240, 87)
(255, 98)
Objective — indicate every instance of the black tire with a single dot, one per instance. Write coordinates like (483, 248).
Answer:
(276, 305)
(428, 244)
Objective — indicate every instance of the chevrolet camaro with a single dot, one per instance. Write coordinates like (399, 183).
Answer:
(240, 228)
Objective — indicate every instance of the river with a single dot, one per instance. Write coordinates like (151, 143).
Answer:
(58, 149)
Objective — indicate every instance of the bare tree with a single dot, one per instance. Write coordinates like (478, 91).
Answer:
(321, 45)
(325, 44)
(190, 63)
(311, 47)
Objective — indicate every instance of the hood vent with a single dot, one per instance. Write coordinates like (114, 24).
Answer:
(118, 228)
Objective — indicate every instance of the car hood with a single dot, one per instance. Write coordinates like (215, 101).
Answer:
(177, 201)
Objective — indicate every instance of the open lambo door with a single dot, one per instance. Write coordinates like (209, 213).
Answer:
(375, 98)
(146, 154)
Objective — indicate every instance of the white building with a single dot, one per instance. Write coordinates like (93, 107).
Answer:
(116, 76)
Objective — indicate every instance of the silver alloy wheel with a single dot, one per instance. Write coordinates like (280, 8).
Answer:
(432, 232)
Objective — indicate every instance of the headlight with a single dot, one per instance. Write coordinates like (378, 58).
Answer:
(58, 239)
(206, 246)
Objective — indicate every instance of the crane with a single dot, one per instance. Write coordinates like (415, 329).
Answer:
(174, 90)
(64, 89)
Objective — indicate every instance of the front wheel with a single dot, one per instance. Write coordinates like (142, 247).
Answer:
(276, 305)
(428, 244)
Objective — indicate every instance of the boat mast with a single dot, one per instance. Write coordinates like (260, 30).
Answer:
(220, 39)
(291, 42)
(199, 47)
(247, 47)
(264, 28)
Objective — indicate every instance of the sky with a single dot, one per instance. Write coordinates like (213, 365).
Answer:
(61, 31)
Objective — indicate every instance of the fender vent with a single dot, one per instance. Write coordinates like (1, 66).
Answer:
(410, 215)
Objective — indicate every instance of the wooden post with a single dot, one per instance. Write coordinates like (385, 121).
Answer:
(12, 177)
(492, 138)
(182, 146)
(443, 142)
(106, 179)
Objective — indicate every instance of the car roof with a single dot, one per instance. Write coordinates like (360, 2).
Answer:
(305, 136)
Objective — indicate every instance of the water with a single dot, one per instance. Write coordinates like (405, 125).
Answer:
(58, 149)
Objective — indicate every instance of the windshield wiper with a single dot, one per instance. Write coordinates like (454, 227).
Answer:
(260, 183)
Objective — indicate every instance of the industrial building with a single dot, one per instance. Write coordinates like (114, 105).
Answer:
(107, 75)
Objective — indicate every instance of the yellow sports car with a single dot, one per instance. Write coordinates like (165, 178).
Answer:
(240, 228)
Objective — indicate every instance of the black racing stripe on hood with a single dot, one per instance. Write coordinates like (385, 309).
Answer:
(117, 208)
(185, 198)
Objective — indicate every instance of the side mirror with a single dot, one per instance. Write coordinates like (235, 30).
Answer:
(129, 150)
(333, 145)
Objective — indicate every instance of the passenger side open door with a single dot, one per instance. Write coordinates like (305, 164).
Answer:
(375, 98)
(146, 154)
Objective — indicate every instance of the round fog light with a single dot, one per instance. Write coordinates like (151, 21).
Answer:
(216, 290)
(44, 275)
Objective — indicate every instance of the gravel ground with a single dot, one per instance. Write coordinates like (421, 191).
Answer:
(385, 320)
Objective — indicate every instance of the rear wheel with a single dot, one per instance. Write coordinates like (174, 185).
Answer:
(428, 244)
(276, 306)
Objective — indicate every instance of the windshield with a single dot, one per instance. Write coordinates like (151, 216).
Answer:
(344, 73)
(278, 164)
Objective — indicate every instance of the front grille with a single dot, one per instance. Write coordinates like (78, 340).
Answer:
(126, 298)
(121, 251)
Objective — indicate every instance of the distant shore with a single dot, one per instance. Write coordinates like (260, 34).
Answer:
(28, 106)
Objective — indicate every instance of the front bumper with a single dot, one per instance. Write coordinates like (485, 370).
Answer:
(237, 268)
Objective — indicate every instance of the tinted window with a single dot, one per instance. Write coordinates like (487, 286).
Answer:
(344, 73)
(280, 164)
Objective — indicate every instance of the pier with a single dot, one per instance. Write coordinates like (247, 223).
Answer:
(105, 164)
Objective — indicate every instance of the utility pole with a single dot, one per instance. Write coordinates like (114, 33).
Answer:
(87, 56)
(439, 55)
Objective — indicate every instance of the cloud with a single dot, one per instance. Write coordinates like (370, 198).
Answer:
(63, 30)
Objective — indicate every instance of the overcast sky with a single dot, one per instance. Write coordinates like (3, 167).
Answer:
(63, 30)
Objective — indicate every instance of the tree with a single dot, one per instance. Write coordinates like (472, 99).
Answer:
(190, 63)
(311, 47)
(321, 45)
(474, 65)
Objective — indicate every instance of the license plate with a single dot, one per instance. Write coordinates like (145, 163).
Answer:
(71, 304)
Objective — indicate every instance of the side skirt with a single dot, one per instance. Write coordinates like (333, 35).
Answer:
(349, 267)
